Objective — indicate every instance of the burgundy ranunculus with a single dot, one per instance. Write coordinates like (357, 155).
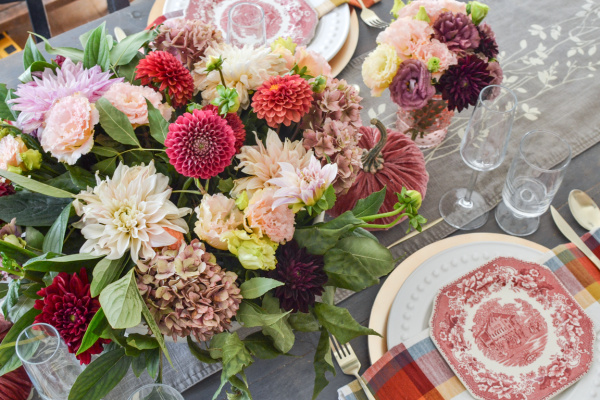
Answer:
(6, 188)
(68, 306)
(487, 45)
(461, 84)
(457, 31)
(411, 88)
(303, 277)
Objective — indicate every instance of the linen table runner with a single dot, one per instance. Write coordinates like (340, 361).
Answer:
(415, 369)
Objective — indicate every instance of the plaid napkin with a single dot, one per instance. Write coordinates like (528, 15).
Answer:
(368, 3)
(415, 370)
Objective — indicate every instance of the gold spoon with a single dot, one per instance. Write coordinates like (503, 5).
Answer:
(583, 208)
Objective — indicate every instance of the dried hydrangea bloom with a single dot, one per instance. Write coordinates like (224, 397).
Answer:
(339, 101)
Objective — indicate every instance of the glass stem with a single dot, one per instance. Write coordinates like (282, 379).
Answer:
(471, 186)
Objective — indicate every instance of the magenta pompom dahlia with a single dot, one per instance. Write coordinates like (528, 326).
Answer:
(461, 84)
(201, 144)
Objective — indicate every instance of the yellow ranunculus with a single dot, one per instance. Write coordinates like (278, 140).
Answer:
(379, 68)
(252, 251)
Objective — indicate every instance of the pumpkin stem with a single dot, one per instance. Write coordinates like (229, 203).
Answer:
(373, 159)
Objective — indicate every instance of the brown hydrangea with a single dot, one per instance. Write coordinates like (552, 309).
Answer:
(188, 293)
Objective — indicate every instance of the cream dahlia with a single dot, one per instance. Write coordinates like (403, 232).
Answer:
(262, 162)
(217, 214)
(129, 212)
(244, 68)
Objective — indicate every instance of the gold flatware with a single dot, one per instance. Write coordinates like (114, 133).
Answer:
(570, 234)
(348, 361)
(370, 18)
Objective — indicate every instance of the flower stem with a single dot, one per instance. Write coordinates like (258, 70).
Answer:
(222, 78)
(384, 215)
(188, 191)
(140, 149)
(199, 186)
(381, 226)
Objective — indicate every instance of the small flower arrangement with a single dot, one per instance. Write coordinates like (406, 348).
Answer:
(435, 58)
(170, 182)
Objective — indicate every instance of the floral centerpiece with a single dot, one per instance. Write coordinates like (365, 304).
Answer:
(434, 58)
(169, 184)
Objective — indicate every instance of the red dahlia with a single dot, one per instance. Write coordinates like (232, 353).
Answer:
(461, 84)
(282, 99)
(201, 144)
(166, 72)
(68, 306)
(235, 122)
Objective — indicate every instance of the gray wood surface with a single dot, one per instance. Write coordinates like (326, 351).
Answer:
(292, 377)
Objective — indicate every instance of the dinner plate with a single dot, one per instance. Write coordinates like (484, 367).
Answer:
(330, 34)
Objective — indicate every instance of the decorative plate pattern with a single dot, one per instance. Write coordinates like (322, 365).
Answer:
(510, 330)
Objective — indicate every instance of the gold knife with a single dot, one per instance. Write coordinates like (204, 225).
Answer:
(570, 234)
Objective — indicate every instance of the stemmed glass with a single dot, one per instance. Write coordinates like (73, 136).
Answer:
(532, 182)
(483, 148)
(156, 391)
(46, 358)
(246, 25)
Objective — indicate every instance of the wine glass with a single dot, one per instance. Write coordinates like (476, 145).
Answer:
(246, 25)
(532, 181)
(483, 148)
(46, 358)
(156, 391)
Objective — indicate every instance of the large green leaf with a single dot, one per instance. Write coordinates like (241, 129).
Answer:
(251, 315)
(142, 342)
(369, 205)
(121, 302)
(101, 376)
(94, 329)
(159, 126)
(256, 287)
(106, 167)
(31, 209)
(116, 124)
(3, 290)
(34, 185)
(340, 323)
(105, 273)
(217, 342)
(321, 237)
(155, 330)
(153, 362)
(357, 262)
(303, 322)
(35, 67)
(5, 111)
(126, 50)
(261, 346)
(70, 263)
(138, 364)
(31, 53)
(53, 242)
(23, 305)
(12, 297)
(281, 332)
(72, 53)
(16, 253)
(322, 363)
(200, 353)
(80, 177)
(235, 356)
(96, 50)
(9, 360)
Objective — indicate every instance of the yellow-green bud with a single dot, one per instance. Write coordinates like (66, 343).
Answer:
(242, 201)
(398, 5)
(15, 241)
(319, 84)
(415, 199)
(32, 159)
(433, 64)
(14, 170)
(214, 63)
(3, 132)
(478, 11)
(287, 43)
(422, 15)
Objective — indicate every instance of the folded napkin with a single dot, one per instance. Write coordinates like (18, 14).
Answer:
(415, 370)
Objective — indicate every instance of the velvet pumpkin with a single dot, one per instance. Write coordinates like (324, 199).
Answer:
(390, 159)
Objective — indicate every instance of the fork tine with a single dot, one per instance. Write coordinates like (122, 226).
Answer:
(349, 350)
(341, 348)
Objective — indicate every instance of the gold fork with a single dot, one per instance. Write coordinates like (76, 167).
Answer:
(370, 18)
(346, 358)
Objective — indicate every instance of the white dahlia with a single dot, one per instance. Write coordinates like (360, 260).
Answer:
(262, 162)
(244, 68)
(130, 211)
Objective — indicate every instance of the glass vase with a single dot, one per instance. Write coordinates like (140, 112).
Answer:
(426, 126)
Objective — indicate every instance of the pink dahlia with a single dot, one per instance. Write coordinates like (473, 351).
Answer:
(35, 98)
(235, 122)
(68, 306)
(282, 99)
(201, 144)
(166, 72)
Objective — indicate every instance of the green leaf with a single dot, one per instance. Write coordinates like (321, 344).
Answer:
(152, 324)
(225, 185)
(252, 316)
(5, 110)
(235, 356)
(101, 376)
(281, 331)
(21, 308)
(242, 389)
(94, 329)
(3, 290)
(106, 167)
(70, 263)
(31, 209)
(34, 238)
(116, 124)
(53, 242)
(217, 343)
(12, 297)
(200, 353)
(34, 185)
(31, 53)
(321, 237)
(96, 50)
(105, 273)
(32, 289)
(127, 49)
(159, 126)
(16, 253)
(9, 360)
(153, 362)
(35, 67)
(303, 322)
(356, 263)
(138, 364)
(121, 302)
(340, 323)
(81, 178)
(322, 363)
(370, 205)
(74, 54)
(128, 70)
(142, 342)
(261, 346)
(362, 232)
(105, 151)
(256, 287)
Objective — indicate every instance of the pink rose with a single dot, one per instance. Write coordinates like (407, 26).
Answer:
(131, 100)
(424, 51)
(404, 33)
(69, 130)
(315, 63)
(286, 54)
(277, 223)
(11, 149)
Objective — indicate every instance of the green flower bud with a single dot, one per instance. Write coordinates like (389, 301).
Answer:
(422, 15)
(398, 5)
(32, 159)
(242, 201)
(214, 63)
(3, 132)
(287, 43)
(227, 100)
(319, 84)
(14, 170)
(193, 106)
(478, 11)
(15, 241)
(433, 64)
(414, 199)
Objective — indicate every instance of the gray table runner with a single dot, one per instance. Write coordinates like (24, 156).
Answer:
(549, 53)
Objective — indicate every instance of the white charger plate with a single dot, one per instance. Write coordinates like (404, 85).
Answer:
(330, 34)
(412, 306)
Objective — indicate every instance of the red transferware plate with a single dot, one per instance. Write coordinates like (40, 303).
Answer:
(510, 330)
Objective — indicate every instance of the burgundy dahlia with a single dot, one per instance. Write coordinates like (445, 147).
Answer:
(303, 277)
(457, 31)
(411, 88)
(201, 144)
(6, 188)
(461, 84)
(166, 72)
(68, 306)
(487, 44)
(235, 123)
